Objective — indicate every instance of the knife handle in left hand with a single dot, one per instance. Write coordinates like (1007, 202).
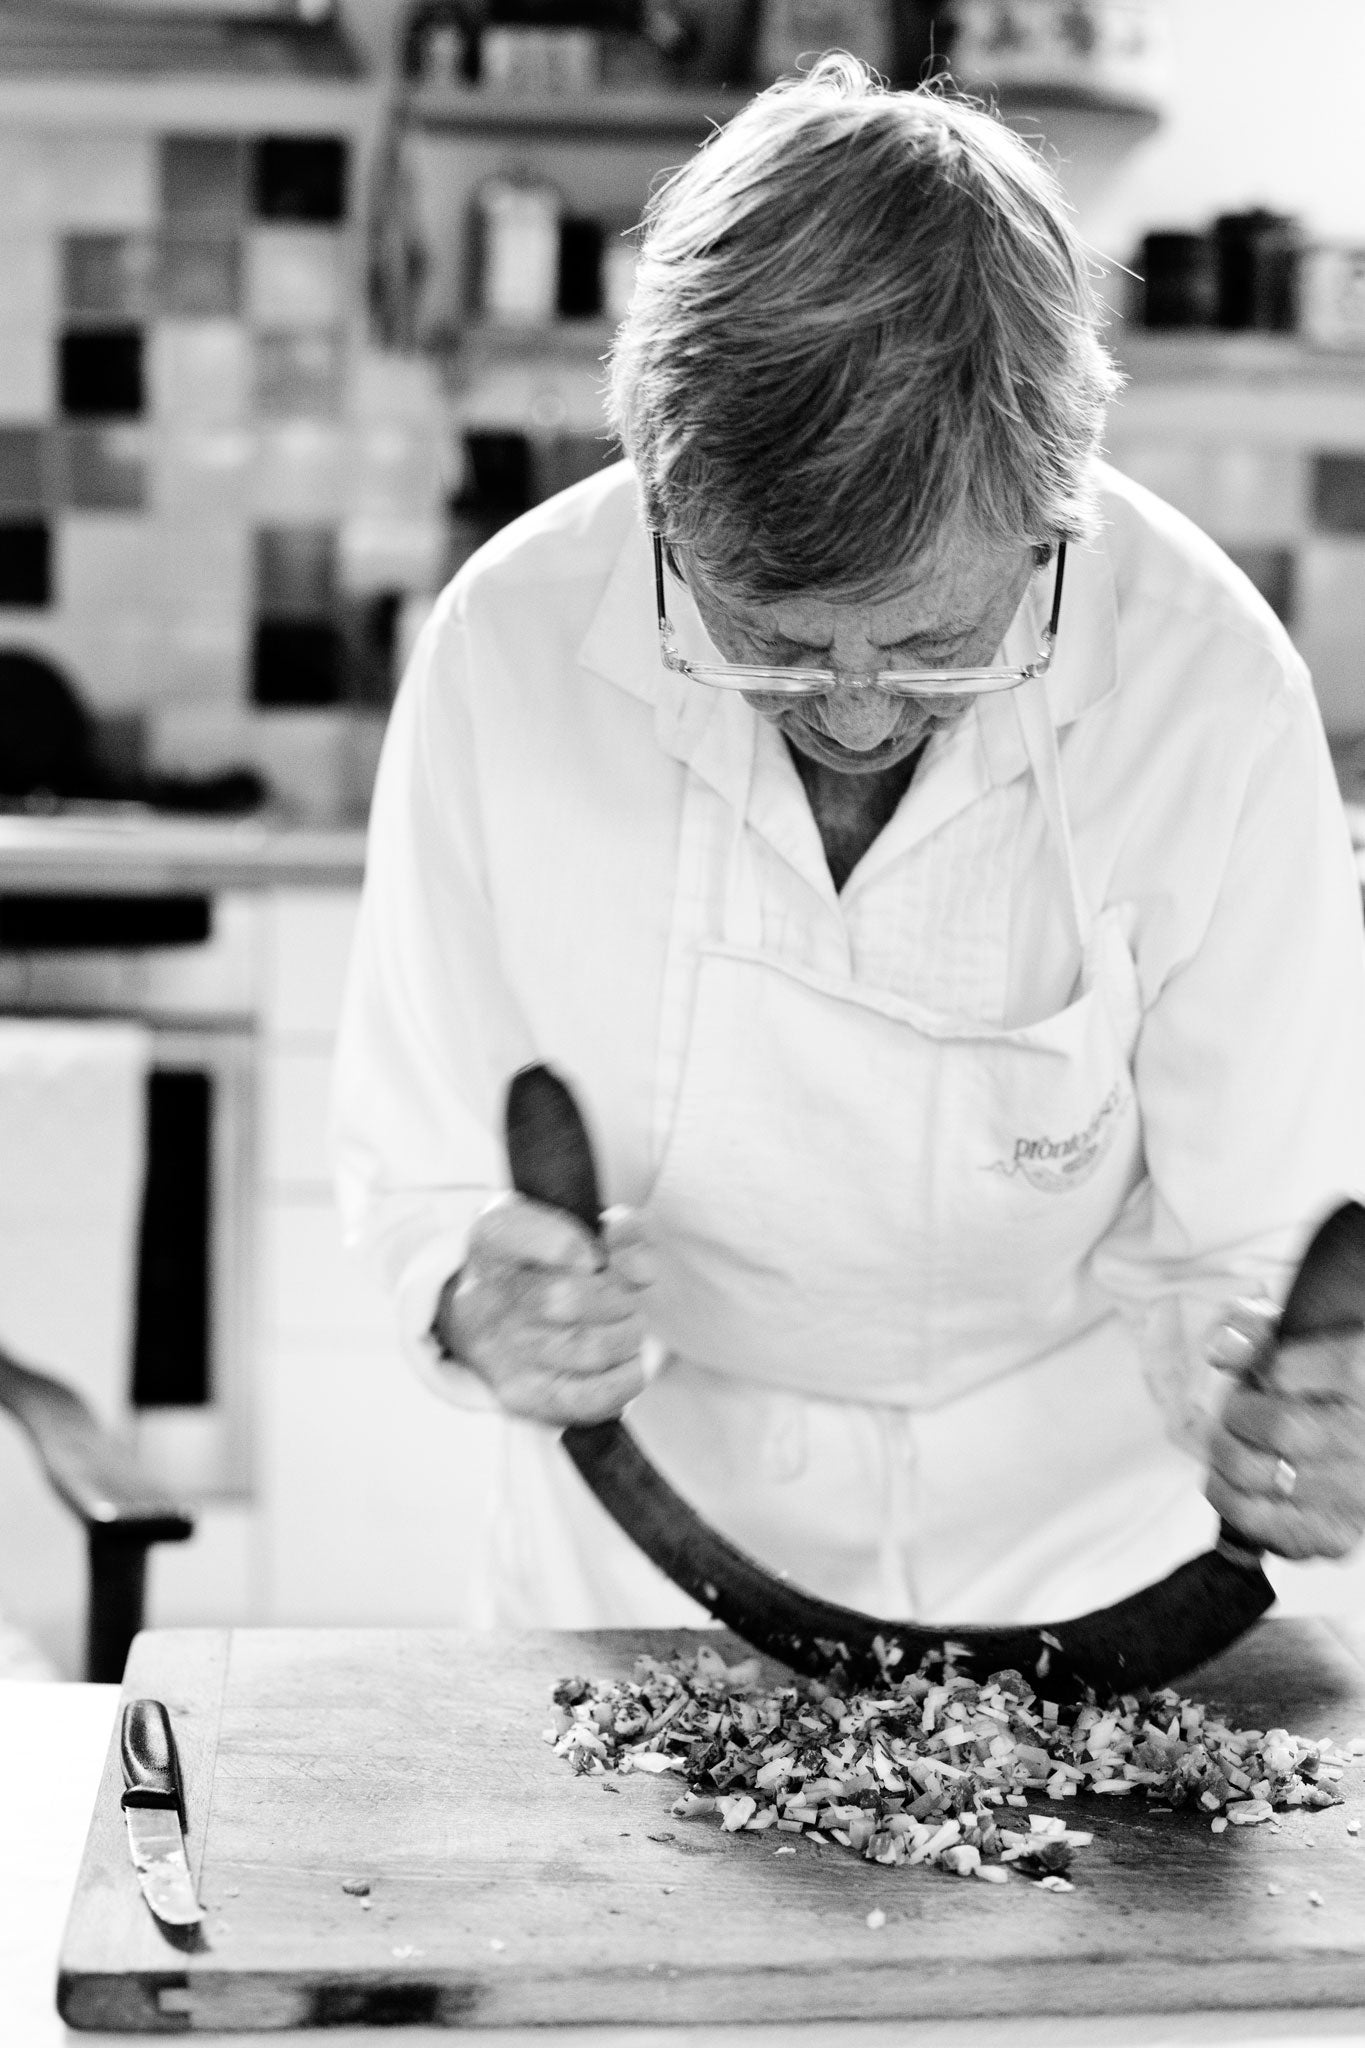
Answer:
(151, 1769)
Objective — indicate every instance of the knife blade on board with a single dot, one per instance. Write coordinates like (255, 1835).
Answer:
(154, 1807)
(1144, 1641)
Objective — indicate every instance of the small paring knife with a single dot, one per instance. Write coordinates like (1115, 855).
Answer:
(154, 1807)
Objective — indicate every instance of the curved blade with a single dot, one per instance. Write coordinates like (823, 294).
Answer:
(1155, 1635)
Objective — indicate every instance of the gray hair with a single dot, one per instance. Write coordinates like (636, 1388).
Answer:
(862, 320)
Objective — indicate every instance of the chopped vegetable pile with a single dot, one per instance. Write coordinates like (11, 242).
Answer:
(932, 1768)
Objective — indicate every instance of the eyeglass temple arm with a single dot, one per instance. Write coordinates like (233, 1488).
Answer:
(1053, 622)
(659, 602)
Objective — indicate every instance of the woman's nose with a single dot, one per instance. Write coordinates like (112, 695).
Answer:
(860, 719)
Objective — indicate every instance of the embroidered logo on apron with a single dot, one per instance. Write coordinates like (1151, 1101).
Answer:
(1055, 1164)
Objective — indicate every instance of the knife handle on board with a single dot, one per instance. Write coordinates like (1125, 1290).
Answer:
(151, 1768)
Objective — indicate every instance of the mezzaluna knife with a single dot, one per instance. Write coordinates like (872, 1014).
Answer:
(1149, 1638)
(154, 1807)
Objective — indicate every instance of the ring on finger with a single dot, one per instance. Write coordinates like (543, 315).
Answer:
(1284, 1478)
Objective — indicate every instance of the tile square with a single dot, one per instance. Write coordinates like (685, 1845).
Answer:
(108, 277)
(387, 389)
(296, 662)
(1339, 493)
(190, 737)
(299, 376)
(199, 277)
(198, 372)
(121, 663)
(398, 469)
(1256, 496)
(1271, 569)
(1329, 628)
(204, 470)
(30, 267)
(100, 373)
(103, 468)
(1176, 471)
(204, 181)
(103, 560)
(28, 382)
(23, 470)
(31, 177)
(207, 659)
(296, 572)
(200, 572)
(299, 472)
(370, 625)
(107, 180)
(381, 553)
(298, 277)
(300, 178)
(25, 564)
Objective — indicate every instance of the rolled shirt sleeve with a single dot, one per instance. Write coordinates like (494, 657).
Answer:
(429, 1031)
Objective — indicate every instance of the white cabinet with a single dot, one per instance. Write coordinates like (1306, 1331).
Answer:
(371, 1493)
(369, 1496)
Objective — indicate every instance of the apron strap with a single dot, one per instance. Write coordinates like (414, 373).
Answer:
(743, 927)
(743, 909)
(1040, 743)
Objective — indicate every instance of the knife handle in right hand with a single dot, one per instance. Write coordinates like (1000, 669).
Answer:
(548, 1148)
(151, 1769)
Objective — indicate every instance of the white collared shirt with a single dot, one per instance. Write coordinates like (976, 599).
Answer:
(525, 898)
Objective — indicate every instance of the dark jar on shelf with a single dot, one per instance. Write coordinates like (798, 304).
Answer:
(439, 44)
(1178, 271)
(1258, 269)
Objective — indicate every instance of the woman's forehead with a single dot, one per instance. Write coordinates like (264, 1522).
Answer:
(944, 596)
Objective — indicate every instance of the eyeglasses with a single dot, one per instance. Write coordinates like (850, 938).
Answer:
(896, 682)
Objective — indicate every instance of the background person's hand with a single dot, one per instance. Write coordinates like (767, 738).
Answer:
(1287, 1456)
(548, 1316)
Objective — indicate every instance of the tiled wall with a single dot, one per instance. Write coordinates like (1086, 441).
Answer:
(1294, 519)
(213, 494)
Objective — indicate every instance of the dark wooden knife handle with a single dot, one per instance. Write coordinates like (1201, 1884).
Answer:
(548, 1148)
(151, 1769)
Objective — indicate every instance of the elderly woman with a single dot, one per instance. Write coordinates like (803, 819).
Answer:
(918, 847)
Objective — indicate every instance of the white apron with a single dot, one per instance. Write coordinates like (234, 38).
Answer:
(891, 1374)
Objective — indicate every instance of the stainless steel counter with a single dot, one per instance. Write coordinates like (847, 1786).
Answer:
(129, 850)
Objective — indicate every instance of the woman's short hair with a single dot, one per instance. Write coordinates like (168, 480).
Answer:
(862, 320)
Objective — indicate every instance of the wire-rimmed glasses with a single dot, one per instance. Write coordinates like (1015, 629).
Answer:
(810, 682)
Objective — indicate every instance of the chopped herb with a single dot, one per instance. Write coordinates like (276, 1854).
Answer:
(915, 1772)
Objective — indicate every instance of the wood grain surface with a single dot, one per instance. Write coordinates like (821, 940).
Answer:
(506, 1891)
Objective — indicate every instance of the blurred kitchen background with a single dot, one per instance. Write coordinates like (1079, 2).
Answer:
(299, 302)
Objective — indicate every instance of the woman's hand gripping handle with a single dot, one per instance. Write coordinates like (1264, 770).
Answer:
(548, 1306)
(1287, 1455)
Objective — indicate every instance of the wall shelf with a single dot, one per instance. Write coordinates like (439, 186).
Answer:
(497, 340)
(1064, 96)
(1154, 356)
(689, 114)
(66, 38)
(692, 111)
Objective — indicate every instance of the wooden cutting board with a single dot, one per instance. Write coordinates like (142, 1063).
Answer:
(504, 1890)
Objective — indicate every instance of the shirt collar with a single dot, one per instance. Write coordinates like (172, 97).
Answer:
(1084, 667)
(712, 730)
